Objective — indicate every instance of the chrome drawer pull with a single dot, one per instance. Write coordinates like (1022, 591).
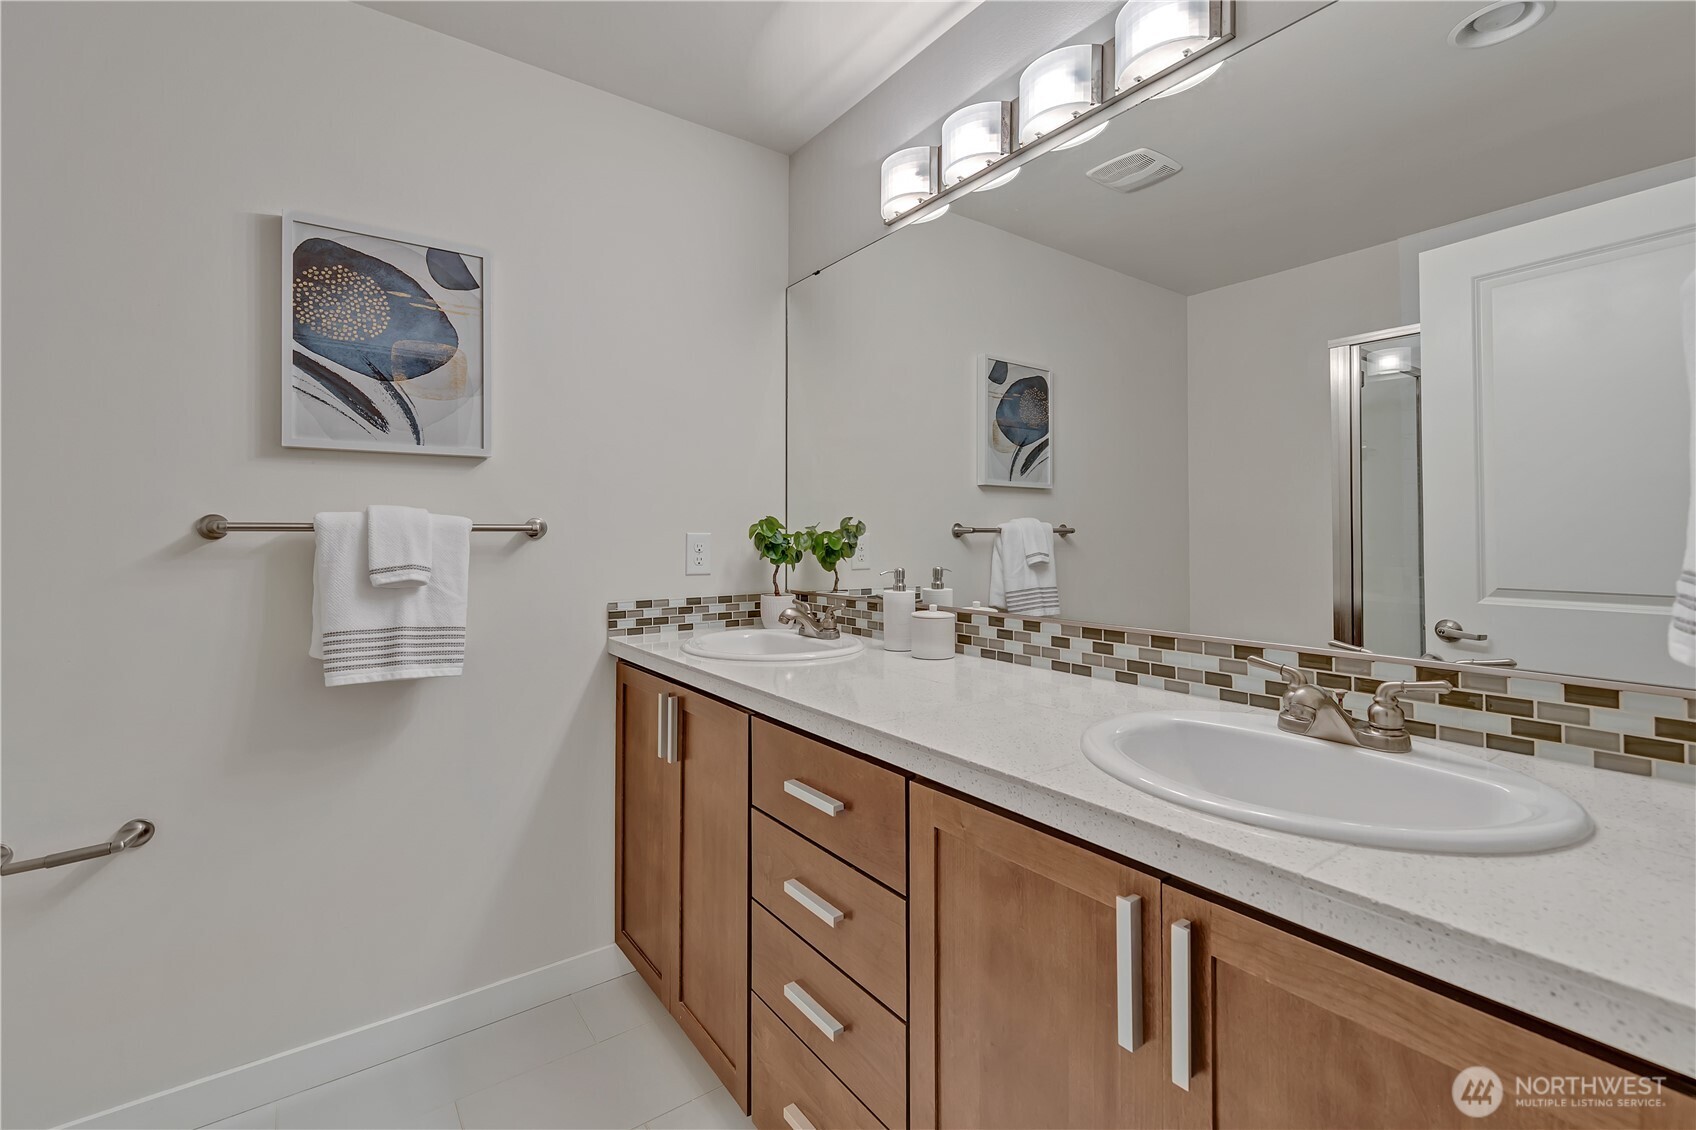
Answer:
(1181, 1003)
(810, 1008)
(806, 794)
(662, 739)
(825, 913)
(795, 1119)
(1128, 912)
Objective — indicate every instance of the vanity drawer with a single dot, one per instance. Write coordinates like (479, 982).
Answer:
(869, 1049)
(791, 1088)
(847, 917)
(850, 806)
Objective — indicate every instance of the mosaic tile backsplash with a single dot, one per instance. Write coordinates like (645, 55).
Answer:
(1571, 720)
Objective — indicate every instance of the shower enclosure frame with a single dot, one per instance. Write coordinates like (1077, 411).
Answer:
(1348, 589)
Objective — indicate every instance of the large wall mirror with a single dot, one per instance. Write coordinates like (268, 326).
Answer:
(1399, 358)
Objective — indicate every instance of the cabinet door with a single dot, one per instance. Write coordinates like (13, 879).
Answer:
(1028, 969)
(1289, 1033)
(646, 867)
(712, 981)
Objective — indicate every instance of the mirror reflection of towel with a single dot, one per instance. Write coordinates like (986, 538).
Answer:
(1681, 633)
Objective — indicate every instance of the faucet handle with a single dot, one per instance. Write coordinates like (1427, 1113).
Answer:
(1386, 715)
(1294, 676)
(1388, 693)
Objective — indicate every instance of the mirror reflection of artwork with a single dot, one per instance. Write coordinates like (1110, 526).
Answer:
(1015, 429)
(383, 340)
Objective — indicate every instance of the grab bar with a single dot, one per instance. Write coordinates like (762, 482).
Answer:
(132, 835)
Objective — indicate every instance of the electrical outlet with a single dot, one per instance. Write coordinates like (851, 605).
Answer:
(697, 554)
(861, 559)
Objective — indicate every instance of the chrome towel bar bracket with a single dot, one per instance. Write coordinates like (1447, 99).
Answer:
(961, 531)
(132, 835)
(214, 526)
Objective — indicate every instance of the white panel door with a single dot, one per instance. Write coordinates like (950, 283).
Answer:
(1557, 436)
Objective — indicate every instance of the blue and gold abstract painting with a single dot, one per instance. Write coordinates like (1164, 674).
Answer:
(1015, 424)
(383, 342)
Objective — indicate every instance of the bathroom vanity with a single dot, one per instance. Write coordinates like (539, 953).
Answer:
(876, 892)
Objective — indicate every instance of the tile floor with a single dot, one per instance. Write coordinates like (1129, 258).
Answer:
(607, 1057)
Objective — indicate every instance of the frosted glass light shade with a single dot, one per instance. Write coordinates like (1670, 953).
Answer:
(1057, 88)
(1151, 35)
(973, 138)
(909, 178)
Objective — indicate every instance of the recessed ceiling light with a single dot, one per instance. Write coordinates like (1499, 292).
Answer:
(1500, 21)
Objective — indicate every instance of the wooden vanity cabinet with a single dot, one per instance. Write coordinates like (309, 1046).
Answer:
(681, 872)
(1285, 1032)
(1032, 959)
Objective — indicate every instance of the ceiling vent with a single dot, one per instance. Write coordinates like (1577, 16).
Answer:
(1137, 169)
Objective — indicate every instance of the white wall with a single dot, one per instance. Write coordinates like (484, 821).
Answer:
(1260, 441)
(327, 858)
(882, 350)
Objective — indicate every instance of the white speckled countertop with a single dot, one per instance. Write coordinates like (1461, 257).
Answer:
(1599, 938)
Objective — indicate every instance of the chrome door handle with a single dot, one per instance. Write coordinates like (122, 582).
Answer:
(661, 738)
(1451, 630)
(806, 794)
(811, 902)
(1128, 913)
(794, 1119)
(1181, 1003)
(673, 732)
(812, 1010)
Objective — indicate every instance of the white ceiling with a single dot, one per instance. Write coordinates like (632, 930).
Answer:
(774, 72)
(1360, 125)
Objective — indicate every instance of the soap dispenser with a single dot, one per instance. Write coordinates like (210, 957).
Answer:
(899, 601)
(939, 593)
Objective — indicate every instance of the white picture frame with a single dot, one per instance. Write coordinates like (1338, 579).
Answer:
(362, 385)
(1003, 461)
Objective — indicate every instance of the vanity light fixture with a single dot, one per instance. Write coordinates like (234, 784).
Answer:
(935, 215)
(1151, 36)
(1087, 135)
(1500, 21)
(1193, 81)
(909, 179)
(1057, 88)
(997, 182)
(974, 138)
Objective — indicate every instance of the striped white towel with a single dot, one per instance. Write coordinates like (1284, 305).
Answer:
(366, 634)
(1681, 633)
(1022, 574)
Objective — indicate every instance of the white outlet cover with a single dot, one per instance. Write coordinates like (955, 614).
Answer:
(697, 554)
(861, 559)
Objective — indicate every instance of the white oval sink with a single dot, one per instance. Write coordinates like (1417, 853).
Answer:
(1244, 768)
(761, 645)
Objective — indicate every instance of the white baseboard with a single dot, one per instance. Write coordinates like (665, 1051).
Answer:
(275, 1077)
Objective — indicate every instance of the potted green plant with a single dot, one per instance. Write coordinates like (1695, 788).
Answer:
(780, 547)
(832, 547)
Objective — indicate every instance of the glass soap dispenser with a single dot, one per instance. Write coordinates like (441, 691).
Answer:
(899, 601)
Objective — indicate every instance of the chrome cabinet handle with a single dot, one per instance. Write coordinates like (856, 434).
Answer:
(794, 1119)
(1181, 1003)
(662, 740)
(1451, 630)
(812, 1010)
(1128, 912)
(811, 902)
(806, 794)
(673, 738)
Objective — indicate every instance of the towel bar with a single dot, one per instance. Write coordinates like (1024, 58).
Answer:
(961, 531)
(133, 834)
(214, 526)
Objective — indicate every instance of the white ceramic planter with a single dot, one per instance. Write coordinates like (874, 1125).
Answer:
(771, 607)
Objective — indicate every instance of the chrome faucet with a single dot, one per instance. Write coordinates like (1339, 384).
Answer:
(814, 625)
(1318, 713)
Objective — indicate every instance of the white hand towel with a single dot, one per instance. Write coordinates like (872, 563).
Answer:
(1681, 633)
(366, 634)
(1022, 577)
(397, 546)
